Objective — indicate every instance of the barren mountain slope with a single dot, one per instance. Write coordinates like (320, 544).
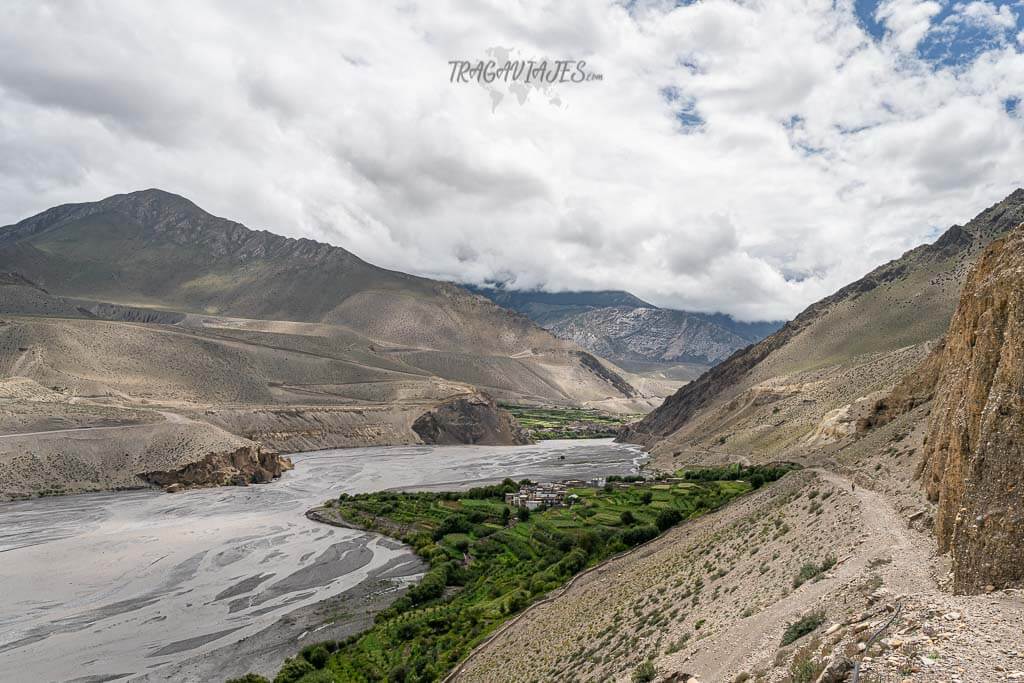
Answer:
(158, 249)
(145, 304)
(800, 386)
(157, 252)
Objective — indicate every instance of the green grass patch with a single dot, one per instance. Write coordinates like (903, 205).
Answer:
(485, 566)
(567, 423)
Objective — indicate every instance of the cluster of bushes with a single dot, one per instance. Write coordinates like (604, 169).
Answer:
(635, 535)
(757, 475)
(668, 518)
(484, 492)
(482, 570)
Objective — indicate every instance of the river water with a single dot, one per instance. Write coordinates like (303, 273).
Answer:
(118, 585)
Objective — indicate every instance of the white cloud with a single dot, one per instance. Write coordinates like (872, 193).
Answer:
(986, 15)
(907, 20)
(821, 152)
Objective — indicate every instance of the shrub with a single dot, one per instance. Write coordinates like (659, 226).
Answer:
(248, 678)
(627, 518)
(294, 668)
(638, 534)
(805, 668)
(811, 571)
(646, 497)
(668, 519)
(523, 514)
(645, 672)
(430, 588)
(802, 626)
(316, 654)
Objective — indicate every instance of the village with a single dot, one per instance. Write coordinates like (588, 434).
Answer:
(550, 494)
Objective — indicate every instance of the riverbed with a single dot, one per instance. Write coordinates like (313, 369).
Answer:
(140, 584)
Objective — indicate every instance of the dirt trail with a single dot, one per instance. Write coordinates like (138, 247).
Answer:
(883, 531)
(72, 429)
(170, 418)
(887, 531)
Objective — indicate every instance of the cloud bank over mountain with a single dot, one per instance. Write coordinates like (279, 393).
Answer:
(735, 156)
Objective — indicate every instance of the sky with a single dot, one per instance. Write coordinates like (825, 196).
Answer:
(745, 157)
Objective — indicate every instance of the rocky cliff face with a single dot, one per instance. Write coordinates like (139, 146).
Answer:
(629, 331)
(240, 467)
(474, 419)
(649, 335)
(974, 463)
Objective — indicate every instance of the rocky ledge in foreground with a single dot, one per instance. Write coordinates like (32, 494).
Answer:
(243, 466)
(472, 419)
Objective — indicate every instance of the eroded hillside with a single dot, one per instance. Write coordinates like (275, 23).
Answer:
(840, 354)
(145, 304)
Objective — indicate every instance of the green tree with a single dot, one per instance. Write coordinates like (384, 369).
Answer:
(668, 518)
(293, 669)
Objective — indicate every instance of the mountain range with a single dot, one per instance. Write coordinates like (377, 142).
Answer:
(143, 309)
(632, 332)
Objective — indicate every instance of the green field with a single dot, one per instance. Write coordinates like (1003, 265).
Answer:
(567, 423)
(487, 564)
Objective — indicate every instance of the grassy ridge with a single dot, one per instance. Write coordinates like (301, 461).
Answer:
(567, 423)
(487, 563)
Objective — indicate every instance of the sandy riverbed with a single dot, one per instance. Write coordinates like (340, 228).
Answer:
(218, 581)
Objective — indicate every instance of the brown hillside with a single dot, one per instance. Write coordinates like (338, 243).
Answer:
(975, 451)
(772, 396)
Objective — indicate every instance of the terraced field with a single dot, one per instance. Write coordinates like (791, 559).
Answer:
(487, 563)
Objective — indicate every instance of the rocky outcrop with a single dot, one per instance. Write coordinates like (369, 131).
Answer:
(240, 467)
(653, 335)
(626, 330)
(474, 419)
(915, 389)
(974, 462)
